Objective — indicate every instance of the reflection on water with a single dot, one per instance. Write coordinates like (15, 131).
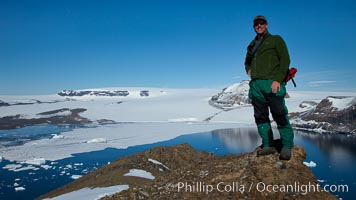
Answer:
(337, 147)
(334, 154)
(238, 140)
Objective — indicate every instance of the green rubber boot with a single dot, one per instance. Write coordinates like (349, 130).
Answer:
(265, 131)
(287, 136)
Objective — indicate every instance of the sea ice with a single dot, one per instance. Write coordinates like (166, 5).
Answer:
(57, 136)
(36, 161)
(30, 167)
(75, 176)
(18, 189)
(97, 140)
(310, 164)
(12, 167)
(46, 167)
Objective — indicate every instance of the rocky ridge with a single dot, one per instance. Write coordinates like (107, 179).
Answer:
(334, 114)
(60, 116)
(181, 172)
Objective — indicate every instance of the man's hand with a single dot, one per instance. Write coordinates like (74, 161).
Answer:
(276, 86)
(249, 73)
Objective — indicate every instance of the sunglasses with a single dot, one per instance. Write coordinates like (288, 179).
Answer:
(259, 22)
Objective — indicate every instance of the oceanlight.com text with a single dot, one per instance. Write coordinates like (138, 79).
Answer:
(260, 187)
(303, 188)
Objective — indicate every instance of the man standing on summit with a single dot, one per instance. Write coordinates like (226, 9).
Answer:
(267, 63)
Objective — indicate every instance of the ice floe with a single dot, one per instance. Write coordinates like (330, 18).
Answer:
(97, 140)
(310, 164)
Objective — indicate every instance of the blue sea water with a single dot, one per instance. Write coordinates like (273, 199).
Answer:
(334, 155)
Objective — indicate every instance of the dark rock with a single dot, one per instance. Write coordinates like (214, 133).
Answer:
(144, 93)
(105, 121)
(2, 103)
(50, 117)
(186, 173)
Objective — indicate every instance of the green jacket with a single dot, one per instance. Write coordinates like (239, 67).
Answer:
(270, 61)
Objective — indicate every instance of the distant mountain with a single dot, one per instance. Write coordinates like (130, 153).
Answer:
(334, 114)
(2, 103)
(233, 96)
(79, 93)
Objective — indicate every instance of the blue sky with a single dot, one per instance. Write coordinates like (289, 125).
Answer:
(50, 45)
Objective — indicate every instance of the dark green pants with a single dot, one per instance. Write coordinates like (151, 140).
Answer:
(264, 101)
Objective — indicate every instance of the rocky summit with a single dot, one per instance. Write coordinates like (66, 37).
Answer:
(181, 172)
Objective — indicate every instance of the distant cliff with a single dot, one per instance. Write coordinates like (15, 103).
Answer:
(334, 114)
(181, 172)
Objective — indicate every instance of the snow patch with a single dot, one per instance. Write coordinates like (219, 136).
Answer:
(91, 193)
(140, 173)
(157, 163)
(342, 103)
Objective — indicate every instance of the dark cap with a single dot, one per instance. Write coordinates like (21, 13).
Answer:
(260, 17)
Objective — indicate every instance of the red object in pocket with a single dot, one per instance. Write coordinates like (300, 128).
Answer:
(291, 73)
